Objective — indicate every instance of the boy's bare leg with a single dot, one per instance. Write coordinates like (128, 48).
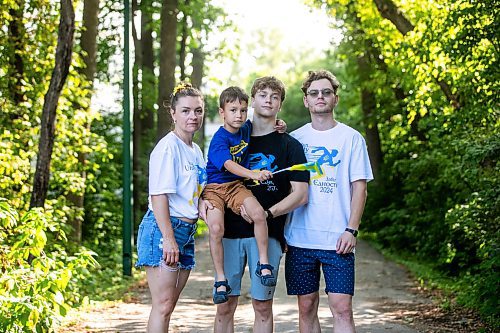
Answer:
(257, 214)
(215, 222)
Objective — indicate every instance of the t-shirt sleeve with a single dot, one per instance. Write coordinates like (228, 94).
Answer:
(219, 152)
(296, 156)
(163, 173)
(359, 167)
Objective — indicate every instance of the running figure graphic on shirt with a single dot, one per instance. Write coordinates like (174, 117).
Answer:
(260, 161)
(324, 156)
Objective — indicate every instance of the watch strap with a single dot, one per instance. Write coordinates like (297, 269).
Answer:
(354, 232)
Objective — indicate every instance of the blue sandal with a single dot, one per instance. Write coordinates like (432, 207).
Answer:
(221, 296)
(268, 280)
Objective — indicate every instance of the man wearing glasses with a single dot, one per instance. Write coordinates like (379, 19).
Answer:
(322, 234)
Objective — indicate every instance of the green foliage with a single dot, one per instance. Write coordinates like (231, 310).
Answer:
(103, 206)
(38, 282)
(43, 270)
(438, 190)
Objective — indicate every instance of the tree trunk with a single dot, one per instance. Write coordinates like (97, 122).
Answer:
(16, 32)
(148, 93)
(368, 106)
(390, 11)
(399, 93)
(88, 39)
(88, 42)
(61, 69)
(168, 35)
(183, 43)
(144, 130)
(136, 128)
(198, 65)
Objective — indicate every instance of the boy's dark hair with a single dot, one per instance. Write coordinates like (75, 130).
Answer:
(232, 94)
(268, 82)
(318, 75)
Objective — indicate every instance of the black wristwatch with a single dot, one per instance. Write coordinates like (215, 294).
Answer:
(269, 214)
(352, 231)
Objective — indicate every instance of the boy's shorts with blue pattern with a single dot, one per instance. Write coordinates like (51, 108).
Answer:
(302, 271)
(150, 242)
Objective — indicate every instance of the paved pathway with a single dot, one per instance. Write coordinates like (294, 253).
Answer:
(382, 288)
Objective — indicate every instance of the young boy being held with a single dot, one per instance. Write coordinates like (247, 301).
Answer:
(228, 164)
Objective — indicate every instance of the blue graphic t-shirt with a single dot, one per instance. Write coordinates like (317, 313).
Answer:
(228, 146)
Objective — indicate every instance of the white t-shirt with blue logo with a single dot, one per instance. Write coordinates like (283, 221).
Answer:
(178, 170)
(342, 158)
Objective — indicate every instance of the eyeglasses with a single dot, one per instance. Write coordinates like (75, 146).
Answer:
(324, 92)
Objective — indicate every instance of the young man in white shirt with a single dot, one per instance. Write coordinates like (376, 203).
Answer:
(322, 234)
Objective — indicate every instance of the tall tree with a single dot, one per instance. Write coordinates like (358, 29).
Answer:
(16, 31)
(88, 43)
(148, 84)
(369, 107)
(137, 110)
(168, 42)
(390, 11)
(64, 51)
(198, 64)
(144, 100)
(88, 39)
(184, 40)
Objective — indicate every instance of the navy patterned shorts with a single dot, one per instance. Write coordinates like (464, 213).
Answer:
(150, 242)
(302, 271)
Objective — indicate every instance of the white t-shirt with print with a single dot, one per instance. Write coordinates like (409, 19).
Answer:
(342, 158)
(178, 170)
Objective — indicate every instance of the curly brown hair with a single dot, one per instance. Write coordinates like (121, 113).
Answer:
(318, 75)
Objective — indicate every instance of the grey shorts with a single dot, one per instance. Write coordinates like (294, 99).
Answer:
(242, 251)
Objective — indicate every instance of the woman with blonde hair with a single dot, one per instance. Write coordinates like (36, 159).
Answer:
(177, 175)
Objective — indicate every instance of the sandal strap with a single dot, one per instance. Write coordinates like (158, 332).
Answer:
(224, 283)
(265, 266)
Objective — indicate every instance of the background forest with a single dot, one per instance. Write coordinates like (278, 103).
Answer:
(420, 79)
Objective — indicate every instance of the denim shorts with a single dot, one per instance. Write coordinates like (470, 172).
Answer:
(150, 240)
(302, 271)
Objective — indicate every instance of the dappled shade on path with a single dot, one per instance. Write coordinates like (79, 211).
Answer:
(383, 302)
